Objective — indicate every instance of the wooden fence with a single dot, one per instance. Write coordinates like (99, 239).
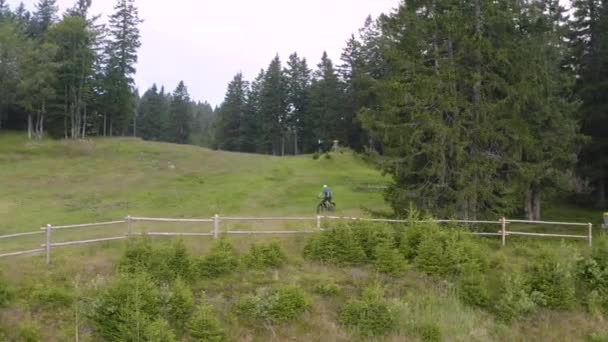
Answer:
(216, 229)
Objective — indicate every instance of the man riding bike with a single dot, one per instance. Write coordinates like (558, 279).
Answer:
(326, 203)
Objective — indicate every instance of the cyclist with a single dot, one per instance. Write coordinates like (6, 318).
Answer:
(326, 195)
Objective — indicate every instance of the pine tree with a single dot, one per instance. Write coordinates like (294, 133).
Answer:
(153, 118)
(230, 133)
(180, 115)
(44, 16)
(298, 79)
(252, 125)
(326, 121)
(121, 57)
(590, 50)
(273, 109)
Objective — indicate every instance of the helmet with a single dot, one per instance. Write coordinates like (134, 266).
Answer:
(325, 186)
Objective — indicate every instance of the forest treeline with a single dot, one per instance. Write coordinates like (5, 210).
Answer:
(475, 108)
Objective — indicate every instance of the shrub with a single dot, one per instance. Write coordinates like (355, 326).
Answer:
(429, 332)
(179, 261)
(28, 332)
(389, 260)
(179, 304)
(473, 287)
(263, 256)
(592, 277)
(514, 299)
(281, 304)
(123, 310)
(159, 331)
(327, 289)
(47, 295)
(552, 284)
(221, 260)
(338, 245)
(316, 156)
(204, 325)
(372, 235)
(138, 255)
(413, 237)
(598, 336)
(369, 316)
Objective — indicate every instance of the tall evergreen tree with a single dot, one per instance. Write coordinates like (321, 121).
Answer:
(298, 79)
(590, 49)
(230, 132)
(180, 115)
(153, 117)
(44, 16)
(121, 57)
(273, 109)
(326, 121)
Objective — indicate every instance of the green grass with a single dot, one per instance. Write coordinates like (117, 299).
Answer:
(68, 182)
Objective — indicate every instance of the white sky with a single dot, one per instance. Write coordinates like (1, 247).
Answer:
(206, 42)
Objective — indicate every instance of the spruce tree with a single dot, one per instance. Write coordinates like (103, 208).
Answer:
(298, 79)
(10, 52)
(230, 133)
(590, 52)
(273, 109)
(180, 115)
(44, 16)
(121, 57)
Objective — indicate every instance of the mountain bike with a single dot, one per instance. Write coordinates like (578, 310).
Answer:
(326, 206)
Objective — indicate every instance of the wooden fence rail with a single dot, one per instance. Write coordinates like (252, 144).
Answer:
(216, 221)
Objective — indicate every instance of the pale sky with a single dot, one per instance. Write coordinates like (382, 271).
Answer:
(206, 42)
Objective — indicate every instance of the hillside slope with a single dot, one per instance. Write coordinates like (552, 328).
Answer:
(64, 182)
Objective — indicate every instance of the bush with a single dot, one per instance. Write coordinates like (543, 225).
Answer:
(592, 277)
(123, 310)
(413, 237)
(204, 325)
(372, 235)
(28, 332)
(261, 256)
(281, 304)
(327, 156)
(429, 332)
(338, 245)
(327, 289)
(598, 336)
(552, 283)
(221, 260)
(138, 255)
(179, 261)
(179, 304)
(316, 156)
(159, 331)
(474, 287)
(47, 295)
(514, 299)
(369, 316)
(389, 260)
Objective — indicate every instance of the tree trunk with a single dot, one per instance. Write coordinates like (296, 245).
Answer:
(135, 125)
(537, 205)
(529, 208)
(111, 128)
(105, 120)
(84, 123)
(29, 126)
(295, 142)
(283, 145)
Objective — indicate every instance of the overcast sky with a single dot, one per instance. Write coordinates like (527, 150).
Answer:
(206, 42)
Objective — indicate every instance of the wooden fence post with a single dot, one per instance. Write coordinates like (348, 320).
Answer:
(504, 231)
(216, 226)
(129, 229)
(319, 222)
(48, 243)
(590, 235)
